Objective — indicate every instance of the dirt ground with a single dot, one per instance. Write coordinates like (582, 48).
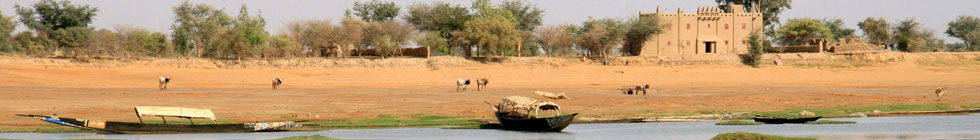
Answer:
(109, 91)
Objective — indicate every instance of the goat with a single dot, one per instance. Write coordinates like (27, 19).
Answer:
(276, 82)
(462, 83)
(553, 96)
(163, 83)
(631, 90)
(481, 84)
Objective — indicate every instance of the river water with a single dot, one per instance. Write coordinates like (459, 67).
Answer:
(903, 127)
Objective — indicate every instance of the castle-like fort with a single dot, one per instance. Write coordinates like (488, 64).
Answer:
(710, 30)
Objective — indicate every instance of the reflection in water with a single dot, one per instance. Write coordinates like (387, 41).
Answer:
(908, 127)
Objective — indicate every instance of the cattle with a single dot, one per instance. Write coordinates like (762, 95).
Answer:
(481, 84)
(461, 84)
(939, 93)
(163, 83)
(635, 90)
(276, 82)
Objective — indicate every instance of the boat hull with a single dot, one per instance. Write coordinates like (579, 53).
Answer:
(548, 124)
(141, 128)
(775, 120)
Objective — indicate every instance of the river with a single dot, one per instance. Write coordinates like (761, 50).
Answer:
(899, 127)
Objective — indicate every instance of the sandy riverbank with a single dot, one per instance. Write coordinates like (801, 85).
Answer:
(365, 88)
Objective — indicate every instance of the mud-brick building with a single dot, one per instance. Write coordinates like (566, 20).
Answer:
(708, 31)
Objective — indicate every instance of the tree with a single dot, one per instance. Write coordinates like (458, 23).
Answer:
(61, 21)
(528, 16)
(24, 42)
(492, 35)
(599, 36)
(801, 30)
(876, 31)
(640, 30)
(441, 18)
(555, 39)
(350, 34)
(387, 37)
(313, 36)
(196, 28)
(909, 36)
(770, 11)
(376, 10)
(434, 41)
(6, 28)
(756, 48)
(966, 28)
(251, 31)
(837, 28)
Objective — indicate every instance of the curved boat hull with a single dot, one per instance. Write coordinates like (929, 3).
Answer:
(548, 124)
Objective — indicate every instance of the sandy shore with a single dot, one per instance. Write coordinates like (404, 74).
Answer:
(108, 90)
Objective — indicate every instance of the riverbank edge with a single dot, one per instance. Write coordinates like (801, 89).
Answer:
(470, 122)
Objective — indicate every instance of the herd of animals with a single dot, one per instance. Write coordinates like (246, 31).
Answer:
(481, 84)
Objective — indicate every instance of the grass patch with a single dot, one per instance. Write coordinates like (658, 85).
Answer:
(313, 137)
(738, 123)
(395, 121)
(830, 122)
(753, 136)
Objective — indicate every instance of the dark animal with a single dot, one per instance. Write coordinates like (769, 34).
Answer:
(276, 82)
(461, 84)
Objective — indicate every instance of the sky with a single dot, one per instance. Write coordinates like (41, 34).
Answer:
(157, 15)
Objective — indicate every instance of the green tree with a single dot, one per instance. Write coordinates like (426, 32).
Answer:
(350, 34)
(196, 28)
(251, 30)
(756, 48)
(441, 18)
(801, 30)
(64, 23)
(837, 28)
(24, 42)
(434, 41)
(876, 31)
(597, 37)
(909, 36)
(492, 35)
(966, 28)
(6, 28)
(388, 37)
(770, 10)
(640, 30)
(376, 10)
(528, 16)
(313, 36)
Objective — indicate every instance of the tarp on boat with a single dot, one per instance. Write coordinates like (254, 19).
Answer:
(175, 112)
(527, 104)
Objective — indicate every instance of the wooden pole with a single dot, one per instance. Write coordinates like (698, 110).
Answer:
(189, 119)
(138, 115)
(164, 119)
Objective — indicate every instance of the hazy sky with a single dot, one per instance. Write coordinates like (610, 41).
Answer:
(157, 15)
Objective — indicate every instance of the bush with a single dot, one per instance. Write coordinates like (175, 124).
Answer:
(753, 136)
(755, 48)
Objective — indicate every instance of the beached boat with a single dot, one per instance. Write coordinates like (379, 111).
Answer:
(162, 112)
(780, 120)
(514, 113)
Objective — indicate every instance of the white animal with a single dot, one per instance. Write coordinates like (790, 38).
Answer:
(939, 93)
(552, 95)
(276, 82)
(163, 83)
(461, 84)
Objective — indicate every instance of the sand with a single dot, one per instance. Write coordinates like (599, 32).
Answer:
(108, 89)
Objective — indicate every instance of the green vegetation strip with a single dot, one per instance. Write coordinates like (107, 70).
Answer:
(845, 111)
(313, 137)
(738, 123)
(830, 122)
(753, 136)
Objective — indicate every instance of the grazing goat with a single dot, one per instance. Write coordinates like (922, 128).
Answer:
(481, 84)
(631, 90)
(276, 82)
(939, 93)
(163, 83)
(462, 83)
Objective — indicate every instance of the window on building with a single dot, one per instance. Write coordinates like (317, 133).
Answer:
(668, 27)
(689, 43)
(709, 25)
(668, 43)
(743, 42)
(726, 26)
(726, 42)
(743, 26)
(688, 26)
